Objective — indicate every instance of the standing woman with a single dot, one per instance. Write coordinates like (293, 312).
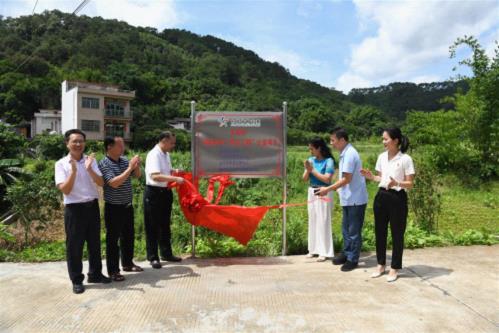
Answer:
(395, 174)
(319, 170)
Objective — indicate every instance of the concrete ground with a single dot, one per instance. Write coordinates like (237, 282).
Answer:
(453, 289)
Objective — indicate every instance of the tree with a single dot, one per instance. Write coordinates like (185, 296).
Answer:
(480, 106)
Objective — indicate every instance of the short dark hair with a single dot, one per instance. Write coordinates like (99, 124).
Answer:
(340, 132)
(165, 135)
(108, 141)
(73, 131)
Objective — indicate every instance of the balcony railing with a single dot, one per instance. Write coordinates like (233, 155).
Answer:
(125, 114)
(111, 133)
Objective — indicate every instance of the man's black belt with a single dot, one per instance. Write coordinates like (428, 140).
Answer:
(158, 189)
(128, 205)
(82, 204)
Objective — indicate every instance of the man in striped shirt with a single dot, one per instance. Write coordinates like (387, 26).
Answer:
(118, 210)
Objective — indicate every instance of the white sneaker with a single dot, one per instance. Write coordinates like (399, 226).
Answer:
(321, 258)
(310, 255)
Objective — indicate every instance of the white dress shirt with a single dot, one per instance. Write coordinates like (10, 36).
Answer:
(157, 162)
(398, 167)
(84, 188)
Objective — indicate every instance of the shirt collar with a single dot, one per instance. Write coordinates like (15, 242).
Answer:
(112, 160)
(159, 150)
(83, 158)
(396, 157)
(345, 149)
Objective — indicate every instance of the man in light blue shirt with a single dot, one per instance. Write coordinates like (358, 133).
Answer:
(351, 186)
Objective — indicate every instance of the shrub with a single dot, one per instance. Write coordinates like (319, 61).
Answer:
(12, 144)
(49, 146)
(34, 200)
(425, 198)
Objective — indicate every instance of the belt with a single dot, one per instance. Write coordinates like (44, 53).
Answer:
(128, 205)
(382, 189)
(158, 189)
(82, 204)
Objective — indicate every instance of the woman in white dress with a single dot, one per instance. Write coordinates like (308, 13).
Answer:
(319, 170)
(395, 174)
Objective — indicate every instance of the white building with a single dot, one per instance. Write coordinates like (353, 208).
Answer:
(180, 123)
(99, 110)
(46, 121)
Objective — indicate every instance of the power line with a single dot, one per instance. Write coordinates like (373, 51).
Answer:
(76, 11)
(36, 3)
(81, 6)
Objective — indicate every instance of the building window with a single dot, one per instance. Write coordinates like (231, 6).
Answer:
(89, 103)
(114, 130)
(90, 125)
(115, 108)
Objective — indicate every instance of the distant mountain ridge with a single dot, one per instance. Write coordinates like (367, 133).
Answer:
(395, 99)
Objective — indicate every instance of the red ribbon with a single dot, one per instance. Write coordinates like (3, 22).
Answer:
(235, 221)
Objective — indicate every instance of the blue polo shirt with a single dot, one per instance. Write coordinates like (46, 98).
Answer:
(355, 193)
(322, 166)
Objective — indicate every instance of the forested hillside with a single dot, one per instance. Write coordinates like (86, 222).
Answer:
(395, 99)
(168, 69)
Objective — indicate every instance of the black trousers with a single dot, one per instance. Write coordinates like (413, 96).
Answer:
(82, 224)
(119, 226)
(157, 219)
(390, 207)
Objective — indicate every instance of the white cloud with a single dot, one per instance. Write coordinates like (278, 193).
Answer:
(410, 37)
(298, 65)
(490, 49)
(425, 79)
(159, 14)
(144, 13)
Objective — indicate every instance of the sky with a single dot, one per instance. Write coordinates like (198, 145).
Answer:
(338, 44)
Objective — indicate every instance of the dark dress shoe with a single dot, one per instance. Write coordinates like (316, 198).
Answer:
(339, 259)
(155, 264)
(348, 266)
(172, 258)
(132, 268)
(99, 279)
(78, 288)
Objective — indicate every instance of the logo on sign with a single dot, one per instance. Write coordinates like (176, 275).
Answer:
(245, 122)
(223, 122)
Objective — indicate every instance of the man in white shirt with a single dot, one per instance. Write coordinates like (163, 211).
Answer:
(158, 199)
(76, 176)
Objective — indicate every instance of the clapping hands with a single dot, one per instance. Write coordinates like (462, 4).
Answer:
(135, 162)
(308, 165)
(89, 161)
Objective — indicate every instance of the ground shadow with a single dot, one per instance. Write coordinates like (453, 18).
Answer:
(425, 272)
(370, 261)
(149, 276)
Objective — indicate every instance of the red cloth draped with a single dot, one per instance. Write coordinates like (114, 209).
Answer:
(237, 222)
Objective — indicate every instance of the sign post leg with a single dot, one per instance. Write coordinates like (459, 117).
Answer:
(284, 178)
(194, 175)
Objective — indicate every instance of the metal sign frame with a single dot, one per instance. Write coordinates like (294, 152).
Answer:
(283, 174)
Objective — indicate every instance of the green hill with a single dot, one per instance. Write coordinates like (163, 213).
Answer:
(167, 69)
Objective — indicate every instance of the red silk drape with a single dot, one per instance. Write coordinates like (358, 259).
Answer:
(237, 222)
